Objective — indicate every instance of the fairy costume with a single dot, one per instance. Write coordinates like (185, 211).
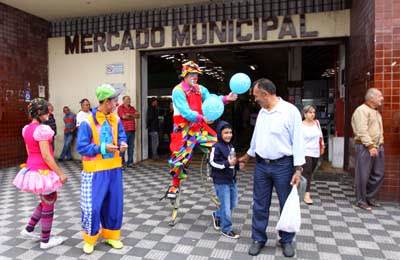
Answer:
(37, 177)
(101, 184)
(189, 127)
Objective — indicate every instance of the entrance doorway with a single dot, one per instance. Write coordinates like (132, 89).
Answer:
(303, 73)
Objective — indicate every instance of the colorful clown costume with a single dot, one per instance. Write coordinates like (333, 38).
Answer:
(101, 184)
(189, 128)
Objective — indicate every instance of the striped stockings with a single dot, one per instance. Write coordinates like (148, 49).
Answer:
(43, 212)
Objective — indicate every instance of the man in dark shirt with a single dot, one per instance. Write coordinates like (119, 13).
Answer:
(51, 121)
(153, 126)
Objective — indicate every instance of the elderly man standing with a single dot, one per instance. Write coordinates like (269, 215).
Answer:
(277, 144)
(368, 137)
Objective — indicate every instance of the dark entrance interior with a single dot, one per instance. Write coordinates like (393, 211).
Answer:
(314, 83)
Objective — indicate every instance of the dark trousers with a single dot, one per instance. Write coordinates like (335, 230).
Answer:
(369, 172)
(308, 169)
(266, 177)
(130, 137)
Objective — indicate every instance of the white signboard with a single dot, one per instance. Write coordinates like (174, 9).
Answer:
(42, 91)
(115, 68)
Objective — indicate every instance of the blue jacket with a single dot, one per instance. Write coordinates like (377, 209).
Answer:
(220, 171)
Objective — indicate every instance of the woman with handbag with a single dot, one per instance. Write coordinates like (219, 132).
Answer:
(314, 146)
(40, 174)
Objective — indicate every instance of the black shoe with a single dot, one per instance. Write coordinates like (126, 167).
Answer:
(373, 203)
(60, 160)
(255, 248)
(287, 249)
(70, 159)
(216, 221)
(230, 234)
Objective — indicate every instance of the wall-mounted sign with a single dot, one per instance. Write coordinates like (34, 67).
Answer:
(42, 91)
(27, 95)
(115, 68)
(258, 29)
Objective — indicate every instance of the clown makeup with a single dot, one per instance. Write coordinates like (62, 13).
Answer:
(192, 79)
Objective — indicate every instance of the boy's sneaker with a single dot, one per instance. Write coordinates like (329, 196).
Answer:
(216, 221)
(53, 241)
(29, 235)
(172, 192)
(230, 234)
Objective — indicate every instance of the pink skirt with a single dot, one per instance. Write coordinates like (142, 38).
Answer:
(42, 181)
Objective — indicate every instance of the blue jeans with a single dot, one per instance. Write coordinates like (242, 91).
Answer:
(66, 151)
(266, 177)
(130, 137)
(227, 195)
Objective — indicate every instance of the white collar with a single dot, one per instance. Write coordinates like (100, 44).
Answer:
(279, 107)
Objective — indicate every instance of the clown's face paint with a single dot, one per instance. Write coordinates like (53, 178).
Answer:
(191, 79)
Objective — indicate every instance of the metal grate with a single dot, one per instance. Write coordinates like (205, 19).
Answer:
(190, 14)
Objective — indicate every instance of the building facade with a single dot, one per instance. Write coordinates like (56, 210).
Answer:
(356, 42)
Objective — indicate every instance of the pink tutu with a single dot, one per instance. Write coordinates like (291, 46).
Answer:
(41, 181)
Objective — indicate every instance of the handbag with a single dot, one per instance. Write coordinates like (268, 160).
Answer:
(321, 140)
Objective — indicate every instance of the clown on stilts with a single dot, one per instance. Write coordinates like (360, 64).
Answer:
(190, 126)
(100, 140)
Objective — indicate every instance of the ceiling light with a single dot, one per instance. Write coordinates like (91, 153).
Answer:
(253, 67)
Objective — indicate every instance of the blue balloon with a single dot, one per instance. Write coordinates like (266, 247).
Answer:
(239, 83)
(213, 107)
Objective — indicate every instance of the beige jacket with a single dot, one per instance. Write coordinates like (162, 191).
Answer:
(367, 126)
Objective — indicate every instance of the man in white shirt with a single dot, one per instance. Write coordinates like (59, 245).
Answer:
(277, 144)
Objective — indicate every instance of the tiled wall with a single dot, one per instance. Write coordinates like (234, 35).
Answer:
(375, 48)
(23, 66)
(387, 79)
(361, 64)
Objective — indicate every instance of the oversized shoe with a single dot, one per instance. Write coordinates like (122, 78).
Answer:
(116, 244)
(89, 248)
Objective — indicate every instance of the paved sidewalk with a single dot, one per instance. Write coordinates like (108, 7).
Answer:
(332, 228)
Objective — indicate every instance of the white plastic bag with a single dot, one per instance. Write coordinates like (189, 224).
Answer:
(290, 219)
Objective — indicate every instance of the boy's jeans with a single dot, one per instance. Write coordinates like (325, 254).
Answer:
(227, 195)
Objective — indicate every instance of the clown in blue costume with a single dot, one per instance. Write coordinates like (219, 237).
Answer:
(100, 140)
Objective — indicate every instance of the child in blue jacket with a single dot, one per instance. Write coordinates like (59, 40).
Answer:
(224, 176)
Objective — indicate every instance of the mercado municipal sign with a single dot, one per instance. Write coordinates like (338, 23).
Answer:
(273, 28)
